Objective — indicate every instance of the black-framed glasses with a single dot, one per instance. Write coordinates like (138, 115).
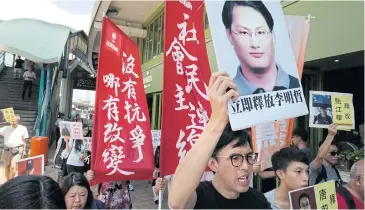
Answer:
(238, 159)
(334, 153)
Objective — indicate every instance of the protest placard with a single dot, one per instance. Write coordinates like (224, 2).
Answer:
(298, 27)
(331, 107)
(156, 136)
(7, 115)
(320, 196)
(31, 166)
(71, 129)
(253, 47)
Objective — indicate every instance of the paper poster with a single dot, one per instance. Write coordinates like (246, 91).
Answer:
(298, 27)
(7, 115)
(330, 107)
(87, 149)
(87, 143)
(31, 166)
(253, 47)
(71, 129)
(320, 196)
(156, 135)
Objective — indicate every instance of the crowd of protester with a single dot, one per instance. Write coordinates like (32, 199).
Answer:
(228, 154)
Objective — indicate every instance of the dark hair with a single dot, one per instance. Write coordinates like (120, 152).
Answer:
(258, 5)
(303, 195)
(229, 136)
(31, 192)
(301, 132)
(77, 179)
(282, 158)
(78, 144)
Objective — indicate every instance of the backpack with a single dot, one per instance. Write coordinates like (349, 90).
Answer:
(347, 196)
(323, 176)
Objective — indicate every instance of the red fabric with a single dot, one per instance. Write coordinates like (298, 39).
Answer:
(343, 205)
(121, 112)
(185, 62)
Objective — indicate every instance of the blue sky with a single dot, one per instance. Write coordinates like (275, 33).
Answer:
(75, 14)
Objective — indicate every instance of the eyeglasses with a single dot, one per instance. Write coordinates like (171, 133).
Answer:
(334, 153)
(260, 34)
(237, 160)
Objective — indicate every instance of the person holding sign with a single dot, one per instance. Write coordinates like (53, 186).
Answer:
(249, 28)
(323, 168)
(75, 161)
(291, 166)
(227, 153)
(15, 137)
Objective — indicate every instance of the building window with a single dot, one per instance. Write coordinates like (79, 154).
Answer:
(153, 43)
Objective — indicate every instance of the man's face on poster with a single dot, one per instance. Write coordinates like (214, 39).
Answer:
(323, 112)
(251, 38)
(304, 203)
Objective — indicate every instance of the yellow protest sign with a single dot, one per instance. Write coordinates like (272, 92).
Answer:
(8, 114)
(342, 109)
(325, 194)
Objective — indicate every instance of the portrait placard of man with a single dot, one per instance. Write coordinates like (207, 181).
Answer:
(252, 45)
(249, 28)
(65, 132)
(304, 202)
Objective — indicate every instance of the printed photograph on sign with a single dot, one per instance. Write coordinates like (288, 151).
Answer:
(252, 45)
(31, 166)
(303, 198)
(319, 196)
(71, 130)
(330, 107)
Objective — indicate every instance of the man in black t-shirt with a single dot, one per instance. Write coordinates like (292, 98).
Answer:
(18, 68)
(227, 153)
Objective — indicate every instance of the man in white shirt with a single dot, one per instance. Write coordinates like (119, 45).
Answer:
(28, 76)
(15, 136)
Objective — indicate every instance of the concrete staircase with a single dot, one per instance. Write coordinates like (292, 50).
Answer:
(10, 96)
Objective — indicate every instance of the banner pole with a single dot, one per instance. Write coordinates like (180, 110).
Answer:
(160, 199)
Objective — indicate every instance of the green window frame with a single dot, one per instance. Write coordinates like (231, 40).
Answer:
(156, 111)
(152, 45)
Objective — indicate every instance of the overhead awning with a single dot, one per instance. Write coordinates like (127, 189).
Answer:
(36, 40)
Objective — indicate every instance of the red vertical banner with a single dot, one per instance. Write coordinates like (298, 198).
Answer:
(121, 140)
(186, 108)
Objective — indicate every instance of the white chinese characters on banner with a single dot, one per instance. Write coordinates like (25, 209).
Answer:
(133, 110)
(198, 115)
(114, 155)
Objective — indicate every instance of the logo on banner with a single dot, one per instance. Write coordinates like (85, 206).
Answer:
(111, 44)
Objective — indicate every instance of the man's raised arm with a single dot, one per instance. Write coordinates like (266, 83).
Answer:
(187, 177)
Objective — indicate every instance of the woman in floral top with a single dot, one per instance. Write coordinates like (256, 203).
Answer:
(114, 194)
